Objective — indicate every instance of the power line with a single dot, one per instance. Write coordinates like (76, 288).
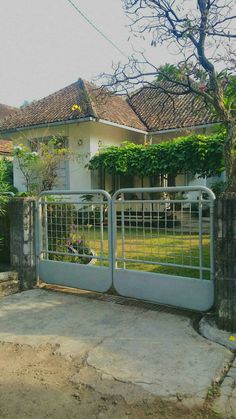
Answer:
(96, 28)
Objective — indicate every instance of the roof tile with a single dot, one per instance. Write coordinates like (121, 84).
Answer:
(6, 147)
(6, 110)
(57, 107)
(161, 111)
(148, 109)
(113, 108)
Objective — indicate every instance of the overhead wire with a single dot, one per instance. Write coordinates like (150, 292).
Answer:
(95, 27)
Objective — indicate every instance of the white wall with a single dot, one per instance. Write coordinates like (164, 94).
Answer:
(18, 178)
(102, 136)
(79, 144)
(84, 140)
(171, 135)
(94, 136)
(77, 176)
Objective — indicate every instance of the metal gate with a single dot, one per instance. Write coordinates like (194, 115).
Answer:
(154, 244)
(73, 250)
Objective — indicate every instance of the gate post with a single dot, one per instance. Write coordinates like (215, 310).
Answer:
(22, 240)
(225, 261)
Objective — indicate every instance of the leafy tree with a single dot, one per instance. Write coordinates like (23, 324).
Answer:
(26, 103)
(202, 34)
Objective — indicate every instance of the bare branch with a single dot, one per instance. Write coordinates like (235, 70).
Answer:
(203, 32)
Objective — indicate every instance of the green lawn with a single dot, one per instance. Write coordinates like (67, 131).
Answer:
(181, 249)
(146, 245)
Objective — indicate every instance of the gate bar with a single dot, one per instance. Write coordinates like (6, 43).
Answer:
(167, 189)
(186, 189)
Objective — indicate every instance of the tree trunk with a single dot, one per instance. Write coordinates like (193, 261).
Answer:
(230, 156)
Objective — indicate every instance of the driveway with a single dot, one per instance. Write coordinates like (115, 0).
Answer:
(119, 346)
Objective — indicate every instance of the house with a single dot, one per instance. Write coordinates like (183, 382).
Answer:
(89, 118)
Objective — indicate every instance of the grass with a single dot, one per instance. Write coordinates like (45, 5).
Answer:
(143, 247)
(180, 249)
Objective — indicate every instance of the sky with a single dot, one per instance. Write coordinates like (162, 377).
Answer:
(46, 45)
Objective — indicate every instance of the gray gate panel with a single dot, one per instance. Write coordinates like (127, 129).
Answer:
(68, 274)
(131, 235)
(165, 289)
(75, 227)
(155, 228)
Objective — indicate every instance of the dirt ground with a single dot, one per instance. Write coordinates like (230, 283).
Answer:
(39, 384)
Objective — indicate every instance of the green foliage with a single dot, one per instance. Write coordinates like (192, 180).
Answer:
(8, 172)
(27, 162)
(196, 154)
(4, 185)
(171, 71)
(230, 93)
(5, 168)
(68, 238)
(218, 187)
(199, 80)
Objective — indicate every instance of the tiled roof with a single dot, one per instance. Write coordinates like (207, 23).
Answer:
(113, 108)
(161, 111)
(148, 109)
(6, 110)
(57, 107)
(6, 147)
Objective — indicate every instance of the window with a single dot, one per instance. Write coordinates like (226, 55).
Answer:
(62, 181)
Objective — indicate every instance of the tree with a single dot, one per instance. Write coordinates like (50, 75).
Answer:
(202, 33)
(40, 168)
(4, 185)
(26, 103)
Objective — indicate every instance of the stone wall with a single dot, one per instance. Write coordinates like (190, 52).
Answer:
(225, 261)
(9, 283)
(22, 240)
(5, 239)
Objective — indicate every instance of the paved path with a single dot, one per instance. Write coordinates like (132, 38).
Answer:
(159, 352)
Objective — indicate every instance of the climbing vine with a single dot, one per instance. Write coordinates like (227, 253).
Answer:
(196, 154)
